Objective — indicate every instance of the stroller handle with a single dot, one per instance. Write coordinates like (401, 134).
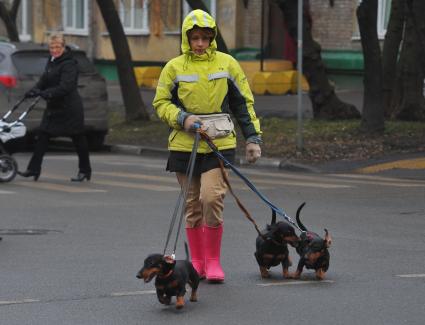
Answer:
(25, 113)
(29, 109)
(5, 116)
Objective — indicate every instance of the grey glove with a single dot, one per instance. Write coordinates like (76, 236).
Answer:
(252, 152)
(191, 123)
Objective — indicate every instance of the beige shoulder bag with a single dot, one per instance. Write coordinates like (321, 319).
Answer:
(217, 125)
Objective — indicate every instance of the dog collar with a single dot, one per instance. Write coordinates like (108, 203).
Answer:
(166, 275)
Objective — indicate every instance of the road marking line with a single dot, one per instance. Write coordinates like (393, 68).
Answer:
(133, 293)
(305, 184)
(375, 178)
(165, 179)
(15, 302)
(151, 187)
(418, 163)
(170, 179)
(294, 283)
(7, 192)
(411, 275)
(59, 187)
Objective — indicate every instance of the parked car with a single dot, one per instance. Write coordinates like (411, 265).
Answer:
(21, 65)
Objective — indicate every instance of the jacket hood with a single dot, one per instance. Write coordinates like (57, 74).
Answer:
(201, 19)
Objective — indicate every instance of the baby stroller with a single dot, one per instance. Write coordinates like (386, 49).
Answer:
(8, 131)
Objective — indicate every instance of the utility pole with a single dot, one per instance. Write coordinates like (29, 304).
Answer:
(300, 74)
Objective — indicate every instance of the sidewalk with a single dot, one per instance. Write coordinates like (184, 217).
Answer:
(286, 106)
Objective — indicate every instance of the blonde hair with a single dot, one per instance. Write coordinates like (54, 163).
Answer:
(57, 37)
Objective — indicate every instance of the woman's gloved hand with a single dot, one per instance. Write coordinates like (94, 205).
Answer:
(252, 152)
(33, 93)
(191, 123)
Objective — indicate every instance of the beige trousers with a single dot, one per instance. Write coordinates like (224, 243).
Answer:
(204, 204)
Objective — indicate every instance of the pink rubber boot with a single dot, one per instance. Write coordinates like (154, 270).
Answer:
(213, 269)
(195, 236)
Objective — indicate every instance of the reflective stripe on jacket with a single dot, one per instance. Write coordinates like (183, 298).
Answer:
(204, 84)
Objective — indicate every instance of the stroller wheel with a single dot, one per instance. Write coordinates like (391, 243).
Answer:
(8, 168)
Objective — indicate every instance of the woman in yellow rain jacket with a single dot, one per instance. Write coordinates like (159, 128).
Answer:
(204, 81)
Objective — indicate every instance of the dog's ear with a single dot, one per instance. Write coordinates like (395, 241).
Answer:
(328, 238)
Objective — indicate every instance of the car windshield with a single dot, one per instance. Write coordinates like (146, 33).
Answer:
(33, 63)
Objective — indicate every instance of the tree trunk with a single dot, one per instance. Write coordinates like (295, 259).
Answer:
(373, 112)
(409, 102)
(134, 106)
(390, 53)
(199, 4)
(324, 101)
(417, 10)
(9, 19)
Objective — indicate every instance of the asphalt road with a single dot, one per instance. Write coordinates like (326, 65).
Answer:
(70, 252)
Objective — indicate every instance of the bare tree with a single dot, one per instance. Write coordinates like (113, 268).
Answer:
(9, 18)
(325, 102)
(373, 109)
(134, 106)
(404, 61)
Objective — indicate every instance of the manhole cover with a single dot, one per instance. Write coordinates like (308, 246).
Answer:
(27, 231)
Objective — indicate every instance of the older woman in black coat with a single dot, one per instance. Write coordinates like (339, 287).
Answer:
(64, 114)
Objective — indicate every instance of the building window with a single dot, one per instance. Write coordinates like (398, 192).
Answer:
(384, 10)
(24, 21)
(134, 16)
(75, 17)
(210, 4)
(173, 12)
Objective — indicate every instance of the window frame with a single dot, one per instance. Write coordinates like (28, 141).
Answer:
(24, 34)
(383, 6)
(84, 31)
(213, 9)
(132, 30)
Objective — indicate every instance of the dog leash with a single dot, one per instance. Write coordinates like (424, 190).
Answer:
(224, 161)
(181, 200)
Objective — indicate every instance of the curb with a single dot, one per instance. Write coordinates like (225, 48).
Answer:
(239, 161)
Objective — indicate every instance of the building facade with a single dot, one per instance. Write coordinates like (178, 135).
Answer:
(153, 27)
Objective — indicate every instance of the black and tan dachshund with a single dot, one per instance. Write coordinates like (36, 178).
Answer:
(313, 250)
(272, 246)
(171, 278)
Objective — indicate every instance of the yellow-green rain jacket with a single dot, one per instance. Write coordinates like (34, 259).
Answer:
(204, 84)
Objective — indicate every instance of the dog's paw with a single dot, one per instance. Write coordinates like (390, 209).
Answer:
(320, 274)
(180, 302)
(193, 297)
(165, 300)
(265, 274)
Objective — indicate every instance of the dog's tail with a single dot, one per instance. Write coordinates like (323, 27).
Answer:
(186, 249)
(298, 217)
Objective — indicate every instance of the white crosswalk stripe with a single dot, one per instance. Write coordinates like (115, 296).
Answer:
(159, 181)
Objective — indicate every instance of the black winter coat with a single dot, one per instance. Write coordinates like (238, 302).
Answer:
(64, 114)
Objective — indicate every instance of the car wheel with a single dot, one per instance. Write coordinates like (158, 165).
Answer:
(96, 140)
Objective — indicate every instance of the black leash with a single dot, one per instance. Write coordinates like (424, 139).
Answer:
(181, 200)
